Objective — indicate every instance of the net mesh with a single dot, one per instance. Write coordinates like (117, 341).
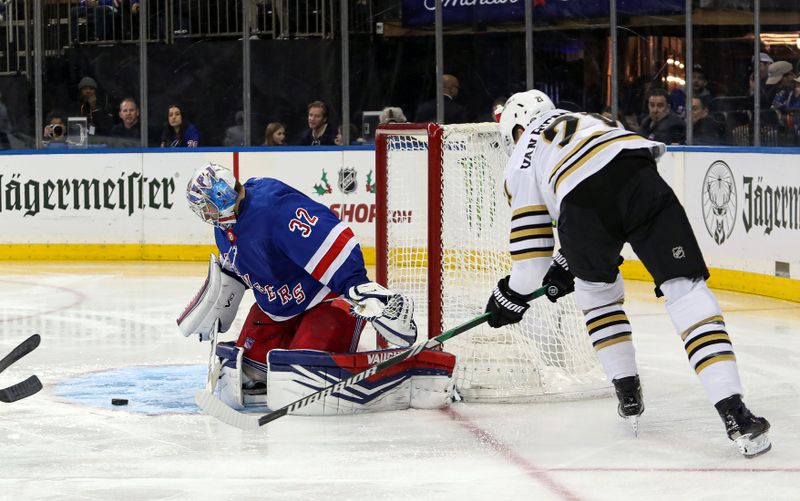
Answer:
(548, 355)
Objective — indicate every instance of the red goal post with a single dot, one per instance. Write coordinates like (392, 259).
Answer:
(442, 229)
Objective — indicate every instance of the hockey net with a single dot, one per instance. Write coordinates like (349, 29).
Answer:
(442, 237)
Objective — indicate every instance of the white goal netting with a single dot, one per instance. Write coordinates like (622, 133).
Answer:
(548, 356)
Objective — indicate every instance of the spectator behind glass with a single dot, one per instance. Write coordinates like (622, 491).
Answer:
(781, 77)
(354, 139)
(128, 132)
(764, 60)
(54, 134)
(275, 134)
(706, 130)
(103, 17)
(792, 118)
(99, 117)
(318, 132)
(497, 109)
(178, 132)
(661, 124)
(392, 115)
(234, 135)
(5, 125)
(700, 85)
(794, 101)
(677, 98)
(454, 113)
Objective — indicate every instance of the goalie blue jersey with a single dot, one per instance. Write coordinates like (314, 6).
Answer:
(292, 251)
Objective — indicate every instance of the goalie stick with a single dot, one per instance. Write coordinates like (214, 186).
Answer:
(213, 406)
(25, 388)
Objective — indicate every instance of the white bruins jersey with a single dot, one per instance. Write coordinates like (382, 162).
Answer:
(554, 154)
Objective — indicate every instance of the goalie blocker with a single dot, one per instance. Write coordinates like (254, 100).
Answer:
(423, 382)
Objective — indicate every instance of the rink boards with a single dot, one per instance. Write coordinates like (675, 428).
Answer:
(743, 204)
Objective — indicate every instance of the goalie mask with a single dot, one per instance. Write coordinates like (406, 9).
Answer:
(521, 109)
(212, 195)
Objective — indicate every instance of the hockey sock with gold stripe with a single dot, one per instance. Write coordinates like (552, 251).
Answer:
(610, 334)
(697, 317)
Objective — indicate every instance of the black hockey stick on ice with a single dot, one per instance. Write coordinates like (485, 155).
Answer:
(29, 386)
(213, 406)
(20, 390)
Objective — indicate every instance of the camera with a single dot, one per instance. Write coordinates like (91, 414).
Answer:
(54, 130)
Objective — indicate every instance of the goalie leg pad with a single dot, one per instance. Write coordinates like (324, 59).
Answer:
(425, 381)
(236, 388)
(218, 298)
(230, 376)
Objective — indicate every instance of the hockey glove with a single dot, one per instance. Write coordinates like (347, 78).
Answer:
(368, 300)
(558, 279)
(506, 306)
(391, 314)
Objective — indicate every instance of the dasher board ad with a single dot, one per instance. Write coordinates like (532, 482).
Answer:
(745, 210)
(344, 181)
(101, 198)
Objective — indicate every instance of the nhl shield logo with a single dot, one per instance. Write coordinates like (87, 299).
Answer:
(347, 180)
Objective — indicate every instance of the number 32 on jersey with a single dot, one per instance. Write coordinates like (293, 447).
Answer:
(303, 222)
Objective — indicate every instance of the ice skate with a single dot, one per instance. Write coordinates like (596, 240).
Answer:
(747, 431)
(631, 405)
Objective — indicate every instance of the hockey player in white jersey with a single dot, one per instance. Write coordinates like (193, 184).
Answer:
(600, 183)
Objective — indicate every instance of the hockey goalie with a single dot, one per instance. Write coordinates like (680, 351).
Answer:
(302, 265)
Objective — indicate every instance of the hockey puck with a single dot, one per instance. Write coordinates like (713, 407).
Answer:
(119, 401)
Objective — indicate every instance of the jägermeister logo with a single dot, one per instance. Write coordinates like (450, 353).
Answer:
(127, 193)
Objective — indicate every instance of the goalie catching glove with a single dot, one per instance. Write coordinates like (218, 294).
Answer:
(391, 314)
(558, 279)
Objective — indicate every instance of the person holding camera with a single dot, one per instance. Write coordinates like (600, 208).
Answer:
(55, 132)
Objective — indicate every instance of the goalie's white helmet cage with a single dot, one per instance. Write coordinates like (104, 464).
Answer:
(442, 238)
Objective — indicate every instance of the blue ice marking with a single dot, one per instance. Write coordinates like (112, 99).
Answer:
(152, 390)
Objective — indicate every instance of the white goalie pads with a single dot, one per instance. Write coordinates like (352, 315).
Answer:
(230, 375)
(234, 388)
(423, 382)
(217, 299)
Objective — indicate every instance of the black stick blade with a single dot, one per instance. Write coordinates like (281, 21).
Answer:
(21, 390)
(20, 351)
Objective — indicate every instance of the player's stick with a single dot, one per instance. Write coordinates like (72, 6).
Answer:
(29, 386)
(213, 406)
(20, 351)
(20, 390)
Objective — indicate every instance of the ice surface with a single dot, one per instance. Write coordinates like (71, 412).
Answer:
(108, 330)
